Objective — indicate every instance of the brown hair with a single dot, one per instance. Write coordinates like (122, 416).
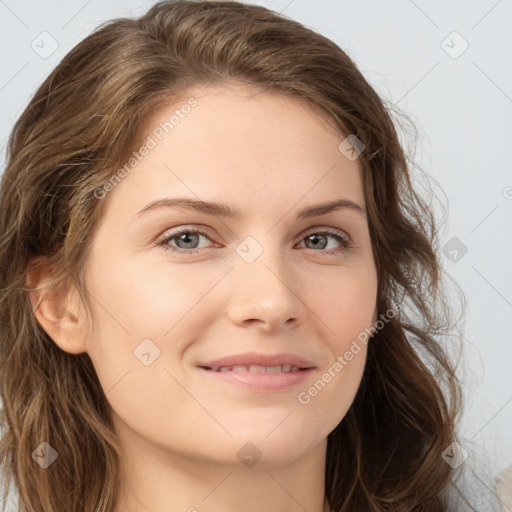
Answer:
(81, 125)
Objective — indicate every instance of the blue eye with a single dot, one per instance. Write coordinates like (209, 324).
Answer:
(190, 238)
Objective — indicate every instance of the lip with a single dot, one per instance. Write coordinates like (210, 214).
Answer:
(256, 358)
(259, 381)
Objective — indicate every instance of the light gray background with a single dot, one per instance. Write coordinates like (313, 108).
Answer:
(461, 104)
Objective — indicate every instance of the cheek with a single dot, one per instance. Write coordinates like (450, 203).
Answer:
(331, 395)
(166, 292)
(328, 396)
(347, 313)
(145, 317)
(344, 302)
(147, 300)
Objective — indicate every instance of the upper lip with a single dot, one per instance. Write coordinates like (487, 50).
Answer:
(255, 358)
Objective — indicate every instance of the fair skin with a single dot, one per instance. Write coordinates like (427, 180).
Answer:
(180, 426)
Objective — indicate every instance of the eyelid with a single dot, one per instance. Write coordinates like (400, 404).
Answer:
(330, 230)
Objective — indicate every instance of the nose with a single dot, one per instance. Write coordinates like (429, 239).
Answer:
(266, 291)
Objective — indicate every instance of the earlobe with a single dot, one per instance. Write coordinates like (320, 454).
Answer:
(56, 307)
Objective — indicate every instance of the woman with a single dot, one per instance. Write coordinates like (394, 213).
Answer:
(290, 361)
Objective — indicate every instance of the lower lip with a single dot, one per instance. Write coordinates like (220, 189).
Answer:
(262, 381)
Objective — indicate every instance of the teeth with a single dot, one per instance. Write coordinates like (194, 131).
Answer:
(254, 368)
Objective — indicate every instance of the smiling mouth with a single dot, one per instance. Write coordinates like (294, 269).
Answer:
(253, 368)
(259, 378)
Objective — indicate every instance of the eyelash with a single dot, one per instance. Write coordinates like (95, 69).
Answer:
(344, 241)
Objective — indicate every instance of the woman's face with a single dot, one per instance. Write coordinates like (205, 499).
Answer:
(175, 288)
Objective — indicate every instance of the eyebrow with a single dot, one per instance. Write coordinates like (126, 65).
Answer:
(223, 210)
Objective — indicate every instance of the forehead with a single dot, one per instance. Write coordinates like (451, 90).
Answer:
(236, 142)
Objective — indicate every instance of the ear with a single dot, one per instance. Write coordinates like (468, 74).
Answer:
(57, 307)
